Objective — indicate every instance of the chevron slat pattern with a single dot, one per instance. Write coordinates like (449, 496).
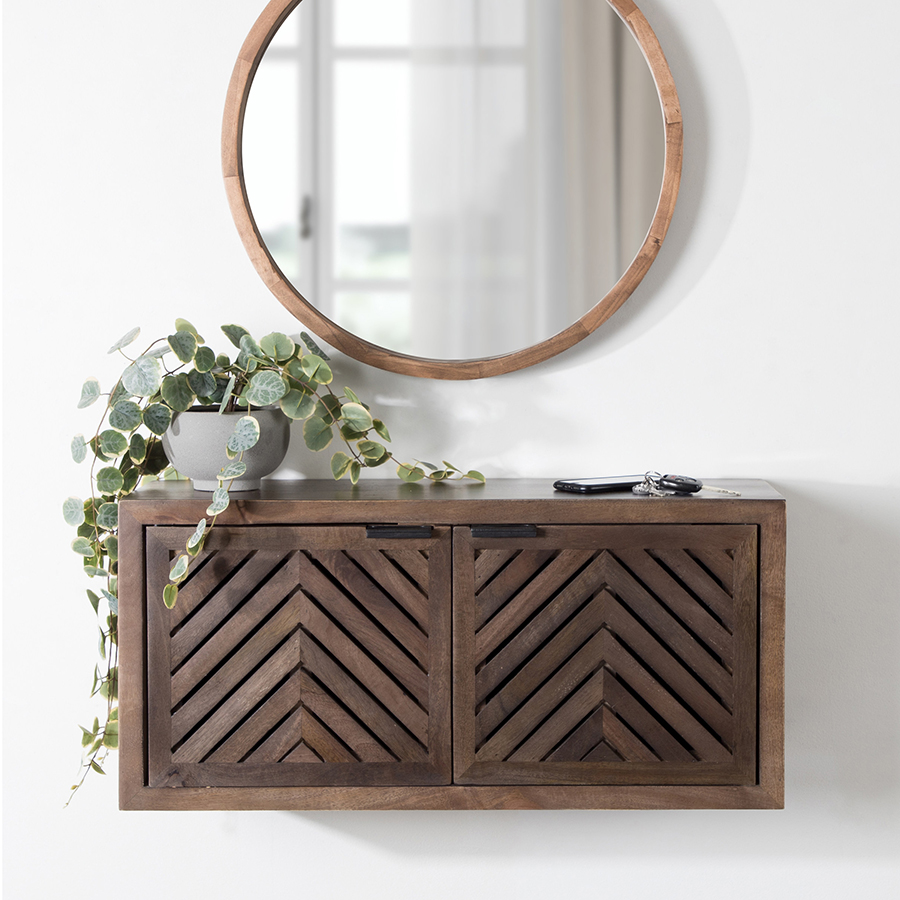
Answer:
(308, 655)
(606, 655)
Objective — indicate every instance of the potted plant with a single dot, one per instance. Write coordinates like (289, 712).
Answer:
(143, 433)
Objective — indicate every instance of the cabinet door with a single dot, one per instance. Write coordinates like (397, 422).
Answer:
(299, 656)
(606, 655)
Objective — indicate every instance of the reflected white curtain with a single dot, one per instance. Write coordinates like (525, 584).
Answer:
(518, 177)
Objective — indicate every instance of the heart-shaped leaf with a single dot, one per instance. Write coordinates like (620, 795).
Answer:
(234, 333)
(176, 391)
(316, 369)
(125, 416)
(356, 416)
(202, 383)
(410, 473)
(232, 470)
(183, 344)
(170, 595)
(340, 464)
(381, 430)
(108, 516)
(125, 340)
(83, 547)
(265, 388)
(278, 346)
(79, 448)
(137, 448)
(179, 570)
(90, 391)
(184, 325)
(158, 418)
(298, 404)
(220, 501)
(143, 377)
(109, 480)
(316, 433)
(113, 443)
(244, 436)
(73, 511)
(204, 359)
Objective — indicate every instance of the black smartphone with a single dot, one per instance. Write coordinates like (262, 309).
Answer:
(598, 485)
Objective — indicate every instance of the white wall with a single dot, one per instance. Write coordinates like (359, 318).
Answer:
(762, 344)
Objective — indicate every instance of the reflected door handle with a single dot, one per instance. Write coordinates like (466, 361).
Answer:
(306, 218)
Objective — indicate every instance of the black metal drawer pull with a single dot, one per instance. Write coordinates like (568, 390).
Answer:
(398, 531)
(504, 531)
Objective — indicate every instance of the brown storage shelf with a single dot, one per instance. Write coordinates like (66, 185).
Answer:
(605, 651)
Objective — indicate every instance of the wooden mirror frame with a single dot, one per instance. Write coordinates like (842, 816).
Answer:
(232, 165)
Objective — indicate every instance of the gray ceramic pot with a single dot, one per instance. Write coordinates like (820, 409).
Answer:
(195, 445)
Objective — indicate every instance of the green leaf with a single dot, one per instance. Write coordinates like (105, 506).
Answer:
(204, 359)
(329, 409)
(143, 377)
(244, 436)
(475, 475)
(95, 572)
(220, 501)
(439, 475)
(90, 391)
(125, 340)
(316, 369)
(110, 740)
(156, 459)
(73, 511)
(95, 600)
(202, 383)
(449, 466)
(87, 737)
(125, 416)
(409, 473)
(96, 767)
(111, 545)
(277, 346)
(249, 347)
(113, 443)
(101, 644)
(183, 344)
(317, 433)
(176, 391)
(79, 448)
(137, 446)
(184, 325)
(109, 480)
(197, 536)
(234, 333)
(430, 466)
(132, 477)
(351, 434)
(112, 600)
(351, 396)
(298, 404)
(179, 570)
(108, 516)
(83, 547)
(381, 430)
(232, 470)
(357, 416)
(265, 388)
(312, 346)
(340, 464)
(229, 388)
(158, 351)
(372, 449)
(170, 595)
(118, 393)
(355, 469)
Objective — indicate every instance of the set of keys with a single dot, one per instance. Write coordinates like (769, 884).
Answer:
(656, 485)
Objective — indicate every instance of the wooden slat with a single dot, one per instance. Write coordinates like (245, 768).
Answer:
(203, 582)
(720, 563)
(226, 639)
(302, 754)
(540, 628)
(510, 580)
(581, 741)
(279, 743)
(698, 580)
(231, 595)
(226, 680)
(376, 641)
(414, 563)
(654, 614)
(401, 590)
(276, 707)
(623, 740)
(349, 730)
(324, 744)
(360, 666)
(603, 752)
(377, 603)
(532, 596)
(488, 563)
(240, 704)
(360, 703)
(658, 581)
(541, 666)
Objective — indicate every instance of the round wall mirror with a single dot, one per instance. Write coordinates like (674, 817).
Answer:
(452, 190)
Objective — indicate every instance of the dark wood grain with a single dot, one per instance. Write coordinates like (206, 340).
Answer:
(637, 659)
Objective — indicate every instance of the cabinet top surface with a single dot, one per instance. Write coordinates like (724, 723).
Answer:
(497, 489)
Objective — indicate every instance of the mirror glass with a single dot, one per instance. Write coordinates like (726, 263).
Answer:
(453, 180)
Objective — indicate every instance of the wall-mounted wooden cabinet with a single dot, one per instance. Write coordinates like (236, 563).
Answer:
(453, 646)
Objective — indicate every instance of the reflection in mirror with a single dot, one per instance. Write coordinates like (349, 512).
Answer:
(453, 180)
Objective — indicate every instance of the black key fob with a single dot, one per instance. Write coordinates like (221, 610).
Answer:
(683, 484)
